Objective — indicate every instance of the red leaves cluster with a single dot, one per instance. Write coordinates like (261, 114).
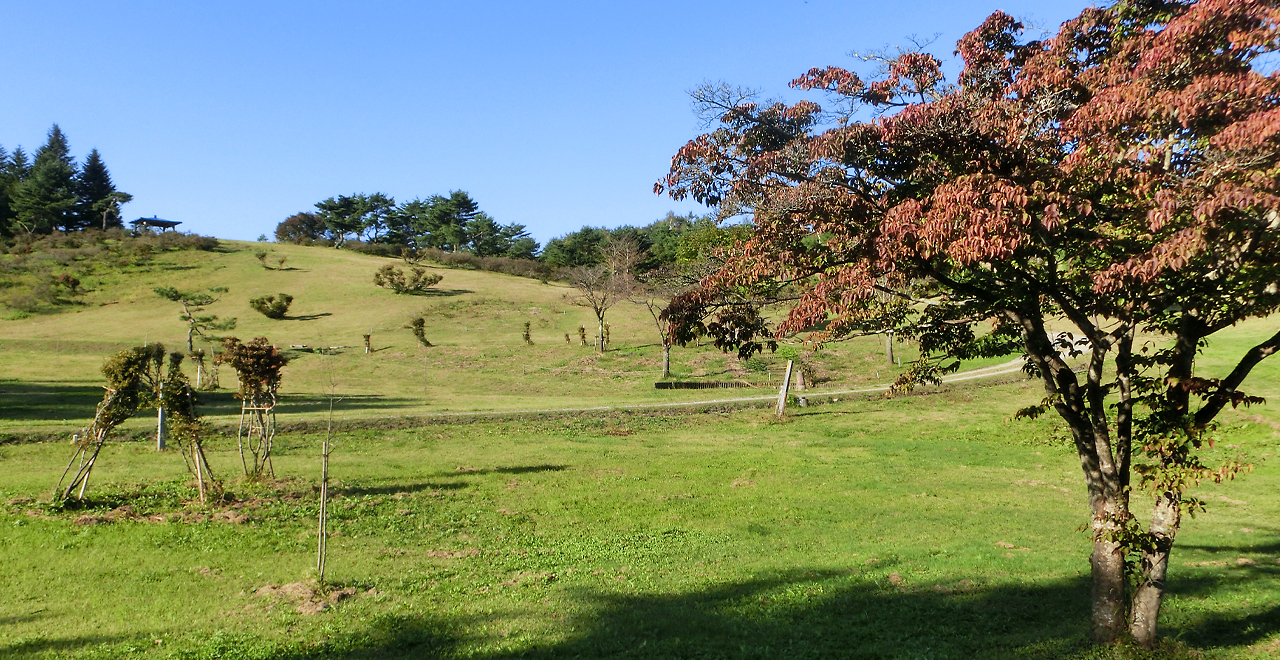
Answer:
(1129, 154)
(258, 365)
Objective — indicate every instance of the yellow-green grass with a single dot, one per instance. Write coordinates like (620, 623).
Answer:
(49, 378)
(918, 527)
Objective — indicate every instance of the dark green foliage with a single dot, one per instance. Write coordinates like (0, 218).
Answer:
(663, 242)
(272, 307)
(52, 194)
(356, 214)
(579, 248)
(134, 375)
(418, 325)
(528, 337)
(419, 280)
(194, 302)
(99, 204)
(301, 229)
(46, 199)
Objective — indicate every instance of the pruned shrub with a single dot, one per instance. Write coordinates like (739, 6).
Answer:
(272, 307)
(419, 327)
(419, 280)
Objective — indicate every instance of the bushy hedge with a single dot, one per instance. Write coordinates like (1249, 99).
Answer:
(272, 307)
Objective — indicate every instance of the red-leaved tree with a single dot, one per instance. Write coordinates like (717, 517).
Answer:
(1108, 196)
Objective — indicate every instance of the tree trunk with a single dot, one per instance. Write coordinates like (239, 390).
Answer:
(600, 319)
(888, 346)
(190, 330)
(1107, 569)
(1155, 565)
(666, 361)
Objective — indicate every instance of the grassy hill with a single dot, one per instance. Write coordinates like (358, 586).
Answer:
(49, 378)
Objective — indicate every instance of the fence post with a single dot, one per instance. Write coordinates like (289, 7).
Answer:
(160, 421)
(782, 392)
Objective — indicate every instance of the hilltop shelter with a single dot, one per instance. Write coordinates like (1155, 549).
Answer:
(153, 221)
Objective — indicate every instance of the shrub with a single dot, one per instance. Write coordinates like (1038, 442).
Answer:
(419, 330)
(69, 282)
(272, 307)
(419, 280)
(373, 249)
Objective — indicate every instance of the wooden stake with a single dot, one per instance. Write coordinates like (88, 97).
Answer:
(782, 391)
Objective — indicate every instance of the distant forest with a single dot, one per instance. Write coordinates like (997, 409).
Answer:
(51, 192)
(454, 224)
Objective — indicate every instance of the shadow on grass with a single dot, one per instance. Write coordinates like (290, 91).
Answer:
(441, 293)
(307, 403)
(519, 469)
(23, 400)
(22, 618)
(393, 489)
(44, 647)
(797, 614)
(307, 317)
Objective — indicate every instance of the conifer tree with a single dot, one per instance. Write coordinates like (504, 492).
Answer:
(45, 200)
(5, 184)
(99, 204)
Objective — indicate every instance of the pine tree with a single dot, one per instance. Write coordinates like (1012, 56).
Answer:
(5, 213)
(46, 199)
(99, 204)
(14, 168)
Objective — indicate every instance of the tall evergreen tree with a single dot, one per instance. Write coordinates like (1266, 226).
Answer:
(45, 200)
(99, 203)
(19, 164)
(5, 212)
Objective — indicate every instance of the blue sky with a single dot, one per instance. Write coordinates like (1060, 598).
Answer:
(230, 116)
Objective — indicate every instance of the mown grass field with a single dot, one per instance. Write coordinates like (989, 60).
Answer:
(916, 527)
(926, 526)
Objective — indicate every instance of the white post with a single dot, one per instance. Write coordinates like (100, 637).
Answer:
(160, 422)
(782, 391)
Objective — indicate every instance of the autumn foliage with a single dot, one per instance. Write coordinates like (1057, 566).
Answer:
(1106, 196)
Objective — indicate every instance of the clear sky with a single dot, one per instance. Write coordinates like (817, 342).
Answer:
(230, 116)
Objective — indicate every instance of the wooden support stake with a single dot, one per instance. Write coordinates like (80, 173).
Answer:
(782, 392)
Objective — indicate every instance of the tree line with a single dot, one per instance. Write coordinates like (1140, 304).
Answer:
(455, 224)
(50, 192)
(452, 223)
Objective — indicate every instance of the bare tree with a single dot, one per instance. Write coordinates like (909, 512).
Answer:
(601, 287)
(654, 292)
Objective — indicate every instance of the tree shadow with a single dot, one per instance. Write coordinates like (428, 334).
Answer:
(820, 613)
(796, 614)
(28, 400)
(520, 469)
(306, 317)
(23, 618)
(312, 403)
(440, 293)
(44, 647)
(393, 489)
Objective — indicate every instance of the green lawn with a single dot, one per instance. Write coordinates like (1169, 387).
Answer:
(920, 527)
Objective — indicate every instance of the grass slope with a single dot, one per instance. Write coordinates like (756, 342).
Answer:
(49, 377)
